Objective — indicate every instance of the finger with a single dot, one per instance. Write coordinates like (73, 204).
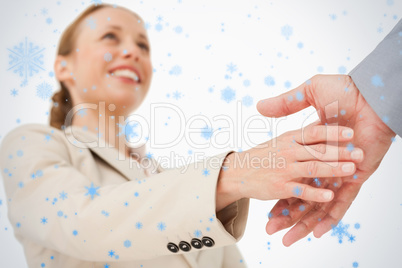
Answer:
(325, 152)
(323, 133)
(304, 226)
(313, 218)
(287, 103)
(322, 169)
(296, 208)
(344, 199)
(309, 193)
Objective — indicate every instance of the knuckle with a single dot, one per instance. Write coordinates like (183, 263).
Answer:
(321, 148)
(312, 168)
(316, 132)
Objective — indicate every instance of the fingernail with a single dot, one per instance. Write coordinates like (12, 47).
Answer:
(349, 167)
(357, 154)
(347, 133)
(327, 195)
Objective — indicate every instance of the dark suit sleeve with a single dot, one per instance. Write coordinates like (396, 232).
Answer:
(379, 79)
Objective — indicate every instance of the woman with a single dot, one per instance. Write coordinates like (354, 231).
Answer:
(76, 199)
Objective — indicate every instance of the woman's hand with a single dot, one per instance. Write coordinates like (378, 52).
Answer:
(278, 169)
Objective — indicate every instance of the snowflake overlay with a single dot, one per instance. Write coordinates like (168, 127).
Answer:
(26, 60)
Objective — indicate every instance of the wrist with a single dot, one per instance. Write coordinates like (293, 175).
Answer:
(227, 189)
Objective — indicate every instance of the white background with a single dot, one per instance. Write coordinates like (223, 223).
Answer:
(335, 34)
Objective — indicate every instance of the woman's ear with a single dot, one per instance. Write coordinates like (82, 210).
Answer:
(62, 69)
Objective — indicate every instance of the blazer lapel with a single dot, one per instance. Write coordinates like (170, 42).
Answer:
(110, 155)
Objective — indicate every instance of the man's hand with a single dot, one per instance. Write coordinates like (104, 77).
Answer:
(370, 134)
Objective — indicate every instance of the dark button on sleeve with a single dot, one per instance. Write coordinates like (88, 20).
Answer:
(183, 245)
(207, 241)
(172, 247)
(196, 243)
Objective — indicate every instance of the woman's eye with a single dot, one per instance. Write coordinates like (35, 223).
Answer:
(110, 36)
(144, 46)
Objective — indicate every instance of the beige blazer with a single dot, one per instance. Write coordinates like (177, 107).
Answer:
(74, 203)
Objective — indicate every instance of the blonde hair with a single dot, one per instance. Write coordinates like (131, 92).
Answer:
(62, 102)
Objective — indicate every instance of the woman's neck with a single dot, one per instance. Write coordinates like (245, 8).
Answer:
(109, 128)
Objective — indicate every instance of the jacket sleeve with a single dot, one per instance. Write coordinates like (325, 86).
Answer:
(379, 78)
(54, 205)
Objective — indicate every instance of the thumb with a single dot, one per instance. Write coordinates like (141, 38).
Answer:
(287, 103)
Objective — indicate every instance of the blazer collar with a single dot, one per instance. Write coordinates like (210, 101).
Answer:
(87, 139)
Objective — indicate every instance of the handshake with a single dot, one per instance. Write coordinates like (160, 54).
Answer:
(324, 166)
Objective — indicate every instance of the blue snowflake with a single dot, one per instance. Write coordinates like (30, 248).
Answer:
(176, 70)
(231, 68)
(205, 172)
(43, 11)
(350, 147)
(300, 45)
(197, 233)
(48, 137)
(149, 155)
(127, 243)
(44, 91)
(228, 94)
(246, 83)
(161, 226)
(49, 20)
(159, 18)
(128, 130)
(285, 212)
(63, 195)
(287, 31)
(111, 253)
(317, 182)
(247, 101)
(26, 59)
(178, 29)
(342, 70)
(158, 27)
(357, 226)
(206, 132)
(269, 81)
(288, 84)
(297, 190)
(43, 220)
(352, 238)
(107, 57)
(299, 96)
(75, 232)
(138, 225)
(14, 92)
(91, 22)
(96, 2)
(82, 112)
(333, 16)
(105, 213)
(92, 191)
(176, 95)
(340, 231)
(355, 264)
(376, 80)
(302, 208)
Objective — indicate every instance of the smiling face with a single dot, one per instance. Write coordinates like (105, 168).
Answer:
(110, 61)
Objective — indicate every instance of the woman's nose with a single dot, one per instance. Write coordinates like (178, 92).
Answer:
(131, 51)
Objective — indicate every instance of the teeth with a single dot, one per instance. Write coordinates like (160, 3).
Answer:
(126, 73)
